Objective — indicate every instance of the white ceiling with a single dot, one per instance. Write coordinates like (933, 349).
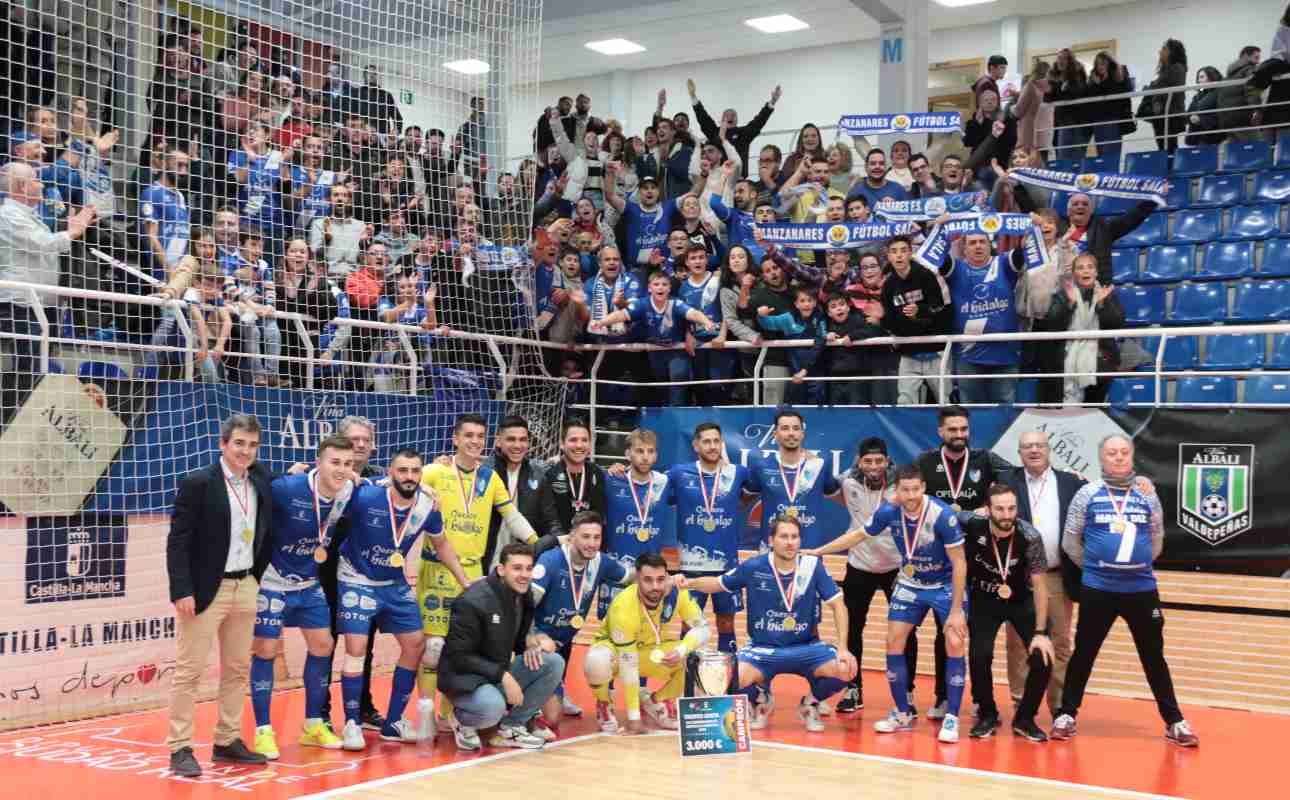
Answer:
(704, 30)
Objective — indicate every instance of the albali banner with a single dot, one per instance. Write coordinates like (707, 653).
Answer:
(1205, 464)
(880, 124)
(936, 247)
(1097, 184)
(833, 235)
(923, 209)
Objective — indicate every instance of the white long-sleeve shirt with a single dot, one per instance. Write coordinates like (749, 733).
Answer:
(713, 181)
(29, 251)
(1280, 44)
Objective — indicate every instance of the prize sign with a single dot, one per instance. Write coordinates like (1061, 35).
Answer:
(714, 725)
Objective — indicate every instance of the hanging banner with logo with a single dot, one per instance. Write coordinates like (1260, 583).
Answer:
(1097, 184)
(714, 726)
(880, 124)
(936, 247)
(922, 209)
(833, 235)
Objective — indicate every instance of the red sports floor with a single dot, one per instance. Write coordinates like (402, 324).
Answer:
(1120, 746)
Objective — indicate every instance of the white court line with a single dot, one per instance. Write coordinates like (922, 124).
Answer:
(408, 776)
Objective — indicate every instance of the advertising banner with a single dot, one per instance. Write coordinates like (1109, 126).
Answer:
(714, 726)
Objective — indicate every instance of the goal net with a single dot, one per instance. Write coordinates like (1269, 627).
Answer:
(298, 210)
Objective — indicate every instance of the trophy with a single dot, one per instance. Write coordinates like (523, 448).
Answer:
(709, 673)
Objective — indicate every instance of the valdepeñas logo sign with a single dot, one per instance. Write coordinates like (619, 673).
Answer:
(1215, 490)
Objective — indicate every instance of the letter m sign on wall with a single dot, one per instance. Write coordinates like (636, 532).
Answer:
(893, 49)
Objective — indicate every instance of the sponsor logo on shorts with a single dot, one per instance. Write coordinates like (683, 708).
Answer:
(277, 604)
(261, 604)
(349, 599)
(367, 603)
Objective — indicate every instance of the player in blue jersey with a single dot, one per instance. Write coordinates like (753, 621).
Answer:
(983, 291)
(306, 509)
(785, 594)
(564, 582)
(636, 509)
(372, 589)
(933, 576)
(792, 481)
(1115, 532)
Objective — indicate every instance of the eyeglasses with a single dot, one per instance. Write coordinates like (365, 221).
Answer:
(1033, 446)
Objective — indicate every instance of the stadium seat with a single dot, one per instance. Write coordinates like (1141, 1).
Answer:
(1131, 391)
(1064, 164)
(1197, 225)
(1192, 162)
(1246, 156)
(1254, 222)
(1153, 230)
(1261, 301)
(1168, 263)
(1124, 265)
(1143, 305)
(1101, 164)
(1180, 353)
(1276, 259)
(1155, 162)
(1271, 187)
(1219, 190)
(101, 370)
(1206, 389)
(1028, 391)
(1280, 358)
(1113, 206)
(1271, 389)
(1177, 196)
(1233, 352)
(1225, 260)
(1199, 303)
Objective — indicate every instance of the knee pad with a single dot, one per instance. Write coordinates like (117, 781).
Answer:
(434, 649)
(353, 665)
(598, 665)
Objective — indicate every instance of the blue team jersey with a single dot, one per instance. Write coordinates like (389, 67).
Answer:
(169, 210)
(739, 227)
(811, 588)
(812, 481)
(259, 197)
(706, 298)
(600, 301)
(365, 554)
(709, 541)
(985, 302)
(316, 203)
(1116, 561)
(553, 586)
(295, 534)
(939, 531)
(624, 523)
(662, 326)
(646, 230)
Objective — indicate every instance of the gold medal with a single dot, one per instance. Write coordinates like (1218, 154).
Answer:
(709, 525)
(1004, 591)
(320, 554)
(908, 570)
(1117, 526)
(642, 509)
(396, 559)
(956, 508)
(642, 535)
(656, 655)
(791, 512)
(790, 623)
(248, 535)
(577, 621)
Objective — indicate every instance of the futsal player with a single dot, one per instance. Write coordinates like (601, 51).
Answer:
(932, 578)
(791, 481)
(386, 522)
(785, 594)
(306, 509)
(1115, 532)
(637, 509)
(468, 492)
(630, 645)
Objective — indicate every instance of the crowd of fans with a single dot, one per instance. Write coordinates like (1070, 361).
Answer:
(253, 193)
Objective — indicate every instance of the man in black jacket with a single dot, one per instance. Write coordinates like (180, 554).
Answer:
(915, 302)
(523, 476)
(215, 555)
(1097, 235)
(493, 660)
(575, 483)
(739, 136)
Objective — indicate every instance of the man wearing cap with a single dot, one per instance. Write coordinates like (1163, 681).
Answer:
(648, 220)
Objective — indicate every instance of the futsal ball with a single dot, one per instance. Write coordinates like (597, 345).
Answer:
(1214, 506)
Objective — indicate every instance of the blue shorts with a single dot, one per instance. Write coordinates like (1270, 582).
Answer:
(301, 608)
(794, 659)
(393, 608)
(911, 605)
(722, 602)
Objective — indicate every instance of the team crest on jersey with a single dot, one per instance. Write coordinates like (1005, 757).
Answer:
(1215, 490)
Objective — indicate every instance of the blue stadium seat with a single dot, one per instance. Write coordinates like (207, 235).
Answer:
(1100, 164)
(1154, 163)
(1131, 391)
(1282, 157)
(1246, 156)
(1280, 357)
(1271, 389)
(1153, 230)
(1225, 260)
(1219, 190)
(1254, 222)
(1206, 389)
(1028, 390)
(1124, 265)
(1192, 162)
(1064, 164)
(1168, 263)
(1271, 187)
(1199, 303)
(1276, 259)
(1143, 305)
(1177, 196)
(1180, 353)
(1197, 225)
(101, 370)
(1233, 352)
(1113, 206)
(1261, 301)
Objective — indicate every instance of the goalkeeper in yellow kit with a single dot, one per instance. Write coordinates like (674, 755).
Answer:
(630, 644)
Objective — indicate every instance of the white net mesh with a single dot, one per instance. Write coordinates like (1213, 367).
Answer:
(298, 212)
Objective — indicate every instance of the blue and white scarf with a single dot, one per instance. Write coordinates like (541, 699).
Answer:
(932, 252)
(928, 208)
(878, 124)
(1097, 184)
(833, 235)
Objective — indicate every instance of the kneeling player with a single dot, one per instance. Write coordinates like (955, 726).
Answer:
(630, 646)
(785, 591)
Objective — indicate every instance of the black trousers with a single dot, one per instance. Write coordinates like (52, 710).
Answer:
(858, 588)
(988, 615)
(1098, 611)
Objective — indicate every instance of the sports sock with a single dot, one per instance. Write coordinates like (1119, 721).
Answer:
(824, 688)
(427, 681)
(898, 679)
(317, 680)
(726, 643)
(351, 687)
(955, 680)
(261, 688)
(400, 690)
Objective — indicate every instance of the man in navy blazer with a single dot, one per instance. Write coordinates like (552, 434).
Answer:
(215, 554)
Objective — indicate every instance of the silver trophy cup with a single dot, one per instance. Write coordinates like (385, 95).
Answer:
(714, 671)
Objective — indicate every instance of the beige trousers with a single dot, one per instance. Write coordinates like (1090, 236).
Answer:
(1059, 625)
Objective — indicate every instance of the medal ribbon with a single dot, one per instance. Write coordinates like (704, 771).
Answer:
(398, 531)
(582, 486)
(318, 517)
(955, 486)
(791, 491)
(1035, 498)
(656, 629)
(574, 583)
(243, 500)
(649, 498)
(1003, 565)
(709, 503)
(467, 498)
(789, 596)
(918, 526)
(1119, 507)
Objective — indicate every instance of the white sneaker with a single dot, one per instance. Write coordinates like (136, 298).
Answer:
(426, 728)
(809, 713)
(399, 731)
(570, 708)
(351, 738)
(895, 722)
(539, 727)
(760, 716)
(826, 710)
(939, 710)
(467, 738)
(515, 736)
(605, 718)
(949, 729)
(657, 712)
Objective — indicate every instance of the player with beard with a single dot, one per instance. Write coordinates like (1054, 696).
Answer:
(792, 481)
(575, 483)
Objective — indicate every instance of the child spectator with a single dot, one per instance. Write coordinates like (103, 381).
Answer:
(215, 322)
(390, 364)
(846, 326)
(398, 239)
(701, 290)
(804, 321)
(562, 310)
(251, 294)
